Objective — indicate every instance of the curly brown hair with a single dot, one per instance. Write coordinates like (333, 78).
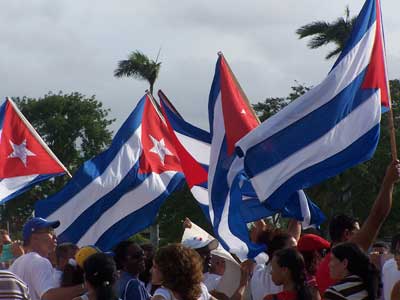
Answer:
(181, 269)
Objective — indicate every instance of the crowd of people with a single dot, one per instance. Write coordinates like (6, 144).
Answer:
(297, 265)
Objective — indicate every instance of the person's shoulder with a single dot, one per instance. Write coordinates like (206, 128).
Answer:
(389, 265)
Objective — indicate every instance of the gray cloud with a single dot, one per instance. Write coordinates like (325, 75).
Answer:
(75, 45)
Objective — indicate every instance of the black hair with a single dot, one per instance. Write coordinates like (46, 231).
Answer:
(72, 275)
(101, 273)
(278, 242)
(145, 276)
(63, 249)
(395, 242)
(380, 244)
(358, 263)
(293, 260)
(338, 225)
(120, 253)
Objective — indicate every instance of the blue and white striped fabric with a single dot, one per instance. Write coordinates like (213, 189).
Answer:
(329, 129)
(197, 143)
(119, 192)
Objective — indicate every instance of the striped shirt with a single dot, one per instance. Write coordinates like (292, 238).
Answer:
(11, 287)
(350, 288)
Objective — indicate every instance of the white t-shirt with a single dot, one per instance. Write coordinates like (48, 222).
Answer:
(37, 272)
(168, 295)
(261, 283)
(390, 275)
(211, 280)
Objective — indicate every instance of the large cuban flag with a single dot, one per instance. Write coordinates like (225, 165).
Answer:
(25, 159)
(329, 129)
(119, 192)
(193, 145)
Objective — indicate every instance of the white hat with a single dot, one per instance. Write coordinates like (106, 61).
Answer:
(195, 238)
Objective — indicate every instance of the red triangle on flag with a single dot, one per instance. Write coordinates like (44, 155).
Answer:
(21, 151)
(238, 116)
(159, 154)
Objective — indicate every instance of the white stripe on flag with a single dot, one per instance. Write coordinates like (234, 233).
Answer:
(9, 186)
(126, 157)
(339, 78)
(305, 210)
(217, 140)
(236, 245)
(151, 188)
(356, 124)
(198, 149)
(200, 194)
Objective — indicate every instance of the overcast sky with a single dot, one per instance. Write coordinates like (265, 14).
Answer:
(53, 45)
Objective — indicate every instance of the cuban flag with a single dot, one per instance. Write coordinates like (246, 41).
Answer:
(120, 191)
(329, 129)
(193, 145)
(25, 159)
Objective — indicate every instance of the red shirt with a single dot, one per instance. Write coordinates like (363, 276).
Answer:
(323, 277)
(284, 295)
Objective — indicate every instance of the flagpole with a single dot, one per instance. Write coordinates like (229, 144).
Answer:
(392, 130)
(220, 54)
(37, 136)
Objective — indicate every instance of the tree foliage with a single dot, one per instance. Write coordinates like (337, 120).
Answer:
(75, 127)
(139, 66)
(323, 33)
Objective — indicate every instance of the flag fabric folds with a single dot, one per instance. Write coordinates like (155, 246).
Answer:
(192, 146)
(329, 129)
(120, 191)
(25, 159)
(230, 118)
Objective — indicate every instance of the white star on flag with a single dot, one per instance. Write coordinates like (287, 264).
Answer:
(20, 151)
(159, 148)
(243, 112)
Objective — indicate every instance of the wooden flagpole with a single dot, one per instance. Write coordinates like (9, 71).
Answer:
(392, 132)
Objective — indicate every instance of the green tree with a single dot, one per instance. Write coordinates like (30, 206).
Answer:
(139, 66)
(323, 33)
(75, 127)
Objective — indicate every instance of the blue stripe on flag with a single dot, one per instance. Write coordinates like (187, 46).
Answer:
(358, 152)
(2, 113)
(82, 223)
(322, 119)
(362, 25)
(93, 168)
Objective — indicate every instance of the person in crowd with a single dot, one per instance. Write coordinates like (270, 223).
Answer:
(34, 267)
(217, 269)
(261, 282)
(288, 271)
(130, 261)
(391, 269)
(9, 249)
(201, 244)
(380, 248)
(64, 252)
(145, 276)
(313, 248)
(100, 277)
(11, 287)
(344, 228)
(356, 276)
(180, 270)
(395, 295)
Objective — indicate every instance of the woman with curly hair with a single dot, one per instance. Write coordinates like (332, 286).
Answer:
(180, 271)
(356, 276)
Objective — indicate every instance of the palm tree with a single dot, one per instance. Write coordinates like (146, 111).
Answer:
(324, 33)
(139, 66)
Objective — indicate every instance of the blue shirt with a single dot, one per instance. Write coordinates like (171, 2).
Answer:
(131, 288)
